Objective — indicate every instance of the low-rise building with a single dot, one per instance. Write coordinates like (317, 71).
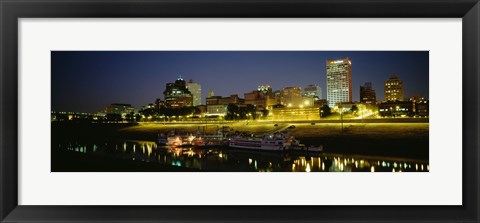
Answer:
(260, 99)
(396, 109)
(119, 109)
(216, 110)
(217, 105)
(292, 97)
(285, 113)
(420, 106)
(313, 91)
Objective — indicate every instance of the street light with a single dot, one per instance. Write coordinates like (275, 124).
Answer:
(341, 117)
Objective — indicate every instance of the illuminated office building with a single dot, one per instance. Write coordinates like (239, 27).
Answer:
(393, 89)
(196, 90)
(314, 91)
(177, 95)
(367, 94)
(292, 96)
(339, 81)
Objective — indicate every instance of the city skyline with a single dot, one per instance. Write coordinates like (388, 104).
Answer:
(87, 81)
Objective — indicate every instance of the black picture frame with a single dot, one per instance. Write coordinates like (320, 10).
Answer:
(11, 11)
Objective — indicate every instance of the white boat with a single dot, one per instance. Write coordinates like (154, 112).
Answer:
(216, 139)
(273, 142)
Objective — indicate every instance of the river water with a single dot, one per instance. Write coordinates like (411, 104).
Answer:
(218, 159)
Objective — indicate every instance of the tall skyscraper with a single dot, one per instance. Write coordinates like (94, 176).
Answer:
(339, 81)
(196, 90)
(313, 91)
(393, 89)
(367, 94)
(177, 95)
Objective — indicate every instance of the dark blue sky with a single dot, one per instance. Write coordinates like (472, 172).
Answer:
(87, 81)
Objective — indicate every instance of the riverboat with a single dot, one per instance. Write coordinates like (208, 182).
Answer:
(171, 139)
(272, 142)
(198, 139)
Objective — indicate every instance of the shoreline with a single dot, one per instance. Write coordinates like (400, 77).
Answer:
(403, 140)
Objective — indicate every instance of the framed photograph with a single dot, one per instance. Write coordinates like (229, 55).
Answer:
(205, 111)
(277, 126)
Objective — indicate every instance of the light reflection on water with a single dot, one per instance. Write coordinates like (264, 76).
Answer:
(227, 159)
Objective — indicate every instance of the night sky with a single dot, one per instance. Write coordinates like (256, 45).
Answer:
(88, 81)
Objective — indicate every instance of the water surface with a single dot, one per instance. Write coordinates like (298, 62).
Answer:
(232, 160)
